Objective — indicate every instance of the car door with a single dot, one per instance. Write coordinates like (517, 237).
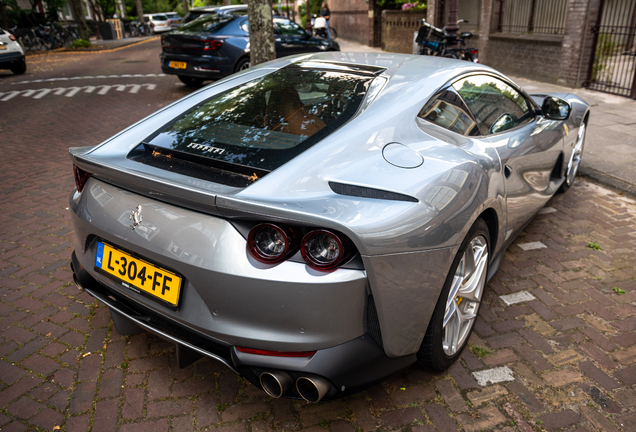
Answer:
(529, 146)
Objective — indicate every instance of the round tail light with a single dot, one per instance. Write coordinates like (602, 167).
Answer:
(322, 249)
(269, 243)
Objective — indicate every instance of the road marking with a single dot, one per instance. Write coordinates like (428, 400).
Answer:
(520, 297)
(494, 376)
(9, 95)
(91, 77)
(532, 246)
(72, 91)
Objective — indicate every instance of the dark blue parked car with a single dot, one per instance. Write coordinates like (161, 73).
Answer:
(215, 46)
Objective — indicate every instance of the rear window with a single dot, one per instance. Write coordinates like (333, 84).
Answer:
(192, 15)
(264, 123)
(160, 17)
(206, 23)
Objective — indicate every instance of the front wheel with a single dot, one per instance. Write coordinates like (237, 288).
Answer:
(334, 33)
(457, 308)
(451, 55)
(575, 160)
(191, 81)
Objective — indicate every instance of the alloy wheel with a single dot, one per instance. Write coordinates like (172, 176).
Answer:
(465, 295)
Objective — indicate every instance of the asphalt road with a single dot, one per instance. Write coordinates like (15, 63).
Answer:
(554, 346)
(85, 98)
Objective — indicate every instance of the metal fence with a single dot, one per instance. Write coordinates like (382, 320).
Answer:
(533, 16)
(613, 62)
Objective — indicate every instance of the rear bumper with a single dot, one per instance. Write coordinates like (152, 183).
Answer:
(11, 59)
(349, 367)
(206, 67)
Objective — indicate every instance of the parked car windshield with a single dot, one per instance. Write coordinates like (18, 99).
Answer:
(268, 121)
(207, 23)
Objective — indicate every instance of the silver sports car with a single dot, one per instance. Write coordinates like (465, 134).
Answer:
(320, 222)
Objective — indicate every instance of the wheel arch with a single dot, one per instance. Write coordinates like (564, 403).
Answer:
(492, 222)
(239, 60)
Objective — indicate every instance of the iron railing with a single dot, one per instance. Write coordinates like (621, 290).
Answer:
(533, 16)
(613, 62)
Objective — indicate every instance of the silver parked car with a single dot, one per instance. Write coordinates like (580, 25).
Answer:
(319, 222)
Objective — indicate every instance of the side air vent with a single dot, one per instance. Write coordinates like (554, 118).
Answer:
(365, 192)
(372, 321)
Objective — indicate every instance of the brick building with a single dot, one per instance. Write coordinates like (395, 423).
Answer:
(548, 40)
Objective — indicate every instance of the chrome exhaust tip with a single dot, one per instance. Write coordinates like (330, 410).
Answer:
(276, 384)
(312, 389)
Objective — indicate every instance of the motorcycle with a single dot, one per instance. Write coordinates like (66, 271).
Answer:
(435, 41)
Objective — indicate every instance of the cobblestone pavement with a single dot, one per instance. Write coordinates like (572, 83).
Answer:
(554, 347)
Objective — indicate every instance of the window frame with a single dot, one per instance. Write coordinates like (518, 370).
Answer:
(531, 103)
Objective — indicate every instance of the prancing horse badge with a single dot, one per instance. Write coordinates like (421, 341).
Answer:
(136, 217)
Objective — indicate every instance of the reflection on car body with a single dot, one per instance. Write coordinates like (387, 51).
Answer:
(332, 218)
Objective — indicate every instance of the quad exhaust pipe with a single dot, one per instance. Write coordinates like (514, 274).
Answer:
(276, 384)
(312, 389)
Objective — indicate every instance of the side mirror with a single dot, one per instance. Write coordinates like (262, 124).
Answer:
(555, 108)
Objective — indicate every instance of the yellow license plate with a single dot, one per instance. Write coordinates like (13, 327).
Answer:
(139, 275)
(178, 65)
(3, 47)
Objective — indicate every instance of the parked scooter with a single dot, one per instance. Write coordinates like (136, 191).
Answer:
(319, 28)
(435, 41)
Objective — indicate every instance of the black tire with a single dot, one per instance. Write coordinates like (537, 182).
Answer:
(19, 68)
(569, 180)
(242, 64)
(334, 33)
(431, 354)
(191, 81)
(451, 55)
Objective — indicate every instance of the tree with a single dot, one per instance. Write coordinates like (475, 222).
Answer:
(261, 28)
(78, 16)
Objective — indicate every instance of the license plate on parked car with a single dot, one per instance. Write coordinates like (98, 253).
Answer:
(139, 275)
(178, 65)
(3, 46)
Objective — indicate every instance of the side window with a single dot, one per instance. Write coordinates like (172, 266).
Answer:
(446, 109)
(496, 105)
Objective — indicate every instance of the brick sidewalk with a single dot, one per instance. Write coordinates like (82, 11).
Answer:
(567, 341)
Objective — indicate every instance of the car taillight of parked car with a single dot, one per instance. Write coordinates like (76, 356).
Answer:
(81, 177)
(212, 44)
(321, 249)
(12, 38)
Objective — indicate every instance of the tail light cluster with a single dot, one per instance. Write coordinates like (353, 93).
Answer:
(81, 177)
(321, 249)
(212, 44)
(12, 37)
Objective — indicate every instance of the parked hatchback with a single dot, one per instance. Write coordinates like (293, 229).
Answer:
(215, 46)
(11, 53)
(159, 22)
